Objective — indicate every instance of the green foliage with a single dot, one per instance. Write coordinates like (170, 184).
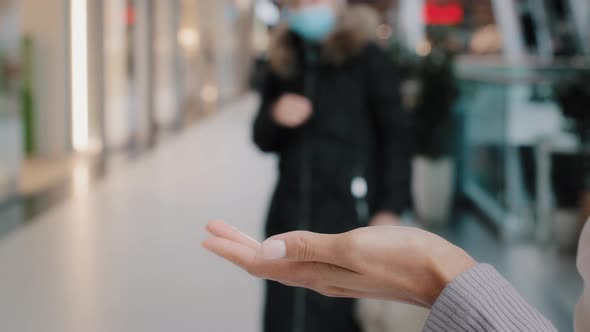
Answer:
(27, 98)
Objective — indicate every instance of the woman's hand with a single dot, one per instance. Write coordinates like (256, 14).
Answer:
(392, 263)
(292, 111)
(384, 219)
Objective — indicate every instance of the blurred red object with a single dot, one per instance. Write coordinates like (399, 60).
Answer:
(437, 12)
(130, 14)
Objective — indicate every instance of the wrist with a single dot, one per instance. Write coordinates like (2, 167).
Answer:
(445, 266)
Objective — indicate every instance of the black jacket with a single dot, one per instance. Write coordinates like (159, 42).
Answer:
(358, 130)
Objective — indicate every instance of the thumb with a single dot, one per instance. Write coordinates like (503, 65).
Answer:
(301, 246)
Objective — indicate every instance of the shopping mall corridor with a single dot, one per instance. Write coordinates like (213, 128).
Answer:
(125, 255)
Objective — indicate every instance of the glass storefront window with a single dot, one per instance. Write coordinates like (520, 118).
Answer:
(118, 71)
(167, 62)
(166, 39)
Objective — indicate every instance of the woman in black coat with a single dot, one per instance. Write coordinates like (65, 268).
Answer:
(331, 110)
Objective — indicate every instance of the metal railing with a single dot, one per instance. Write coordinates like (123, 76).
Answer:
(508, 108)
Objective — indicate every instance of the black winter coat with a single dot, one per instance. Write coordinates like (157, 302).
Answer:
(358, 130)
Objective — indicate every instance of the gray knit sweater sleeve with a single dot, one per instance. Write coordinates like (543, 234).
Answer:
(482, 300)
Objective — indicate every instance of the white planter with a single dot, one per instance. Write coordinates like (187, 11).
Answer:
(433, 188)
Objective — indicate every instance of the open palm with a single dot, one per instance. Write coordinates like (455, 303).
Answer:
(393, 263)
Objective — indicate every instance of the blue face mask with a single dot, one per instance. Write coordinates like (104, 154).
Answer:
(312, 23)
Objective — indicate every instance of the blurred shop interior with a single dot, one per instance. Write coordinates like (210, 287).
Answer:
(88, 79)
(88, 87)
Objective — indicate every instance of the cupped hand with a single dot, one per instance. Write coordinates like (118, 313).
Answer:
(392, 263)
(292, 110)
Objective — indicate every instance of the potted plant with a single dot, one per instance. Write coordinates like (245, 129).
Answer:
(573, 96)
(434, 166)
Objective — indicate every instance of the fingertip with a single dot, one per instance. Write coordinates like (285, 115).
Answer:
(274, 249)
(216, 225)
(209, 225)
(206, 244)
(215, 245)
(215, 222)
(236, 253)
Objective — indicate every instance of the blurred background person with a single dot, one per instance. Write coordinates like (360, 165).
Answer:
(331, 111)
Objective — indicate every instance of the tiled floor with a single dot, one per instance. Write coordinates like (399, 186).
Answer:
(45, 184)
(125, 255)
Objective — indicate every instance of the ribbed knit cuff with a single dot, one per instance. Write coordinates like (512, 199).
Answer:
(482, 300)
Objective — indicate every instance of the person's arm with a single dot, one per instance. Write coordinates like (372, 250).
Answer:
(393, 129)
(391, 263)
(279, 116)
(268, 135)
(482, 300)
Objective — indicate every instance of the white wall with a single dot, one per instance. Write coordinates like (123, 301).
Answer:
(47, 23)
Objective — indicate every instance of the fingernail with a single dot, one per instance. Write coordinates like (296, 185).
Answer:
(274, 249)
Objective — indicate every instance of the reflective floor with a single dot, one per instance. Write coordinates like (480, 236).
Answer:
(124, 255)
